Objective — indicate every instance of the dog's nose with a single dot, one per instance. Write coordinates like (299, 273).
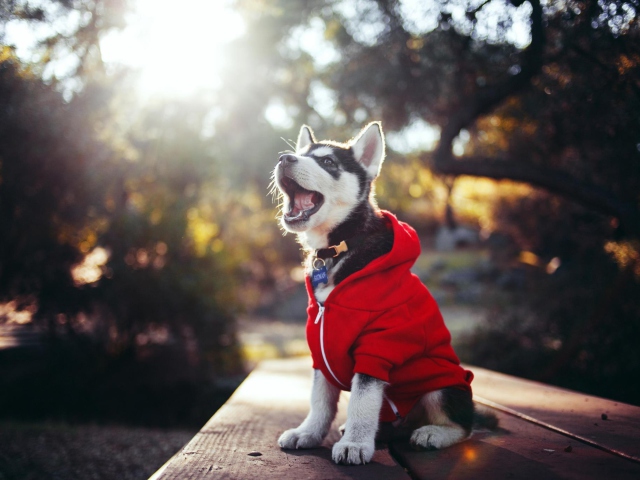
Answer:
(287, 158)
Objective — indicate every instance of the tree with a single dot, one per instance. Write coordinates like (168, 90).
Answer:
(104, 242)
(44, 209)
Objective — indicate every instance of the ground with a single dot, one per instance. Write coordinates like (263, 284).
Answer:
(37, 451)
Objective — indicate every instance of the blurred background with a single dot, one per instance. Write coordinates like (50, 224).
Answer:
(142, 269)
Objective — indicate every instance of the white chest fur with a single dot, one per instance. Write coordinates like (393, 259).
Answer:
(322, 291)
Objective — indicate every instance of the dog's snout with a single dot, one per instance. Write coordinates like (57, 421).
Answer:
(287, 158)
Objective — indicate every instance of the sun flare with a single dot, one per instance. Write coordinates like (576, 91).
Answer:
(175, 47)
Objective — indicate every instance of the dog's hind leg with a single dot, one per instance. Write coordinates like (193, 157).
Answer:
(358, 442)
(449, 414)
(324, 405)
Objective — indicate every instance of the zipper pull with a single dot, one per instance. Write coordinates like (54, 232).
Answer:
(320, 314)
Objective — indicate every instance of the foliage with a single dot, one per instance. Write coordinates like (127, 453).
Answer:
(73, 31)
(155, 237)
(571, 327)
(98, 240)
(44, 208)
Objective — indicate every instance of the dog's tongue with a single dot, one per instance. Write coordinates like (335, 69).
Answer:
(303, 201)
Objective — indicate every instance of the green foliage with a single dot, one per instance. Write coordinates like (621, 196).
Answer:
(40, 197)
(69, 197)
(572, 327)
(97, 212)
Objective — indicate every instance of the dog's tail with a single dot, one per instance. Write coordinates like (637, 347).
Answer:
(483, 418)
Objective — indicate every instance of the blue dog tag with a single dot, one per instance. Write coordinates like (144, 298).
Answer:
(319, 276)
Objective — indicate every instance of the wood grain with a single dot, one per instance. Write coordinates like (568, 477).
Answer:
(574, 412)
(273, 398)
(518, 450)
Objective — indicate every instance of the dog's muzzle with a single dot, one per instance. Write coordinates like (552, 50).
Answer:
(302, 202)
(287, 159)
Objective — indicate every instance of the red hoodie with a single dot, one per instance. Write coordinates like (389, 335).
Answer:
(383, 322)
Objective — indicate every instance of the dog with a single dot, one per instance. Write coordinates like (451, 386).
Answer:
(373, 328)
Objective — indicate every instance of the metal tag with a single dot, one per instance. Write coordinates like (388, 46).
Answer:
(319, 276)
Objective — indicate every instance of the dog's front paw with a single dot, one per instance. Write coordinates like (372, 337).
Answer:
(353, 453)
(296, 438)
(431, 437)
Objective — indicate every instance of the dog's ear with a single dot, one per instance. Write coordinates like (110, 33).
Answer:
(368, 148)
(305, 138)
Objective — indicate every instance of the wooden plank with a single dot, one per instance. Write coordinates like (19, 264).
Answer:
(577, 413)
(273, 398)
(518, 450)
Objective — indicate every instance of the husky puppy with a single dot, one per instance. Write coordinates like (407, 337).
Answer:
(372, 327)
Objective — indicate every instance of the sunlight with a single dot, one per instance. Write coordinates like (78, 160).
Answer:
(11, 314)
(417, 136)
(91, 269)
(176, 50)
(497, 20)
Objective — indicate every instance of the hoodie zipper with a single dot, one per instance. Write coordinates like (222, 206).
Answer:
(320, 319)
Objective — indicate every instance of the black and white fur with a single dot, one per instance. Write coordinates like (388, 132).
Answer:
(327, 196)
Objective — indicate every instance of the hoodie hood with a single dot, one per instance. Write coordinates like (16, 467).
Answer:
(405, 250)
(394, 265)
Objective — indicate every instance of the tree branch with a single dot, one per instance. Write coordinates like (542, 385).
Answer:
(491, 96)
(552, 180)
(555, 181)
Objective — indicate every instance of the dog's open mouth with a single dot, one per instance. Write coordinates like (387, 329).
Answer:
(303, 203)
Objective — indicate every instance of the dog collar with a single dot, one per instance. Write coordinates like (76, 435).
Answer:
(333, 251)
(337, 250)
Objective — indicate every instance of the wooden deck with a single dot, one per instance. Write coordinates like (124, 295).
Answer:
(545, 433)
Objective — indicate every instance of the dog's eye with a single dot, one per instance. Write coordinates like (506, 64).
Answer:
(328, 161)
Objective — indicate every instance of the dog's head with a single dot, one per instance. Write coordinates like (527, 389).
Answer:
(322, 182)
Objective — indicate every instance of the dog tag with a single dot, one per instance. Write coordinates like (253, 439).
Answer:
(319, 276)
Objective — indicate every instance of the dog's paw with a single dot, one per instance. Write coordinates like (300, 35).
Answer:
(352, 453)
(431, 437)
(342, 428)
(296, 438)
